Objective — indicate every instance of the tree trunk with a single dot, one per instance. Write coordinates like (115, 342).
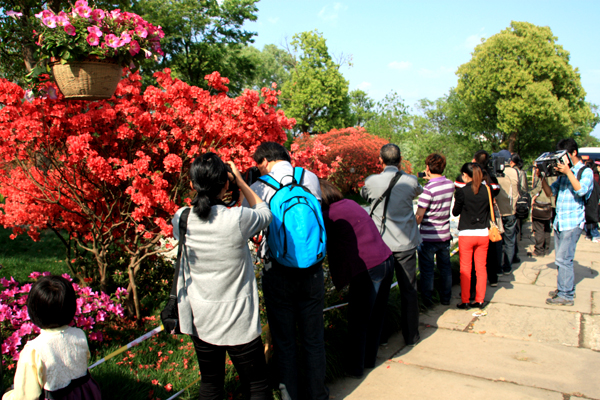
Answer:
(28, 57)
(512, 140)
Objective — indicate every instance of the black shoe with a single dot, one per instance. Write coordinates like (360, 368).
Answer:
(476, 305)
(516, 260)
(445, 303)
(463, 306)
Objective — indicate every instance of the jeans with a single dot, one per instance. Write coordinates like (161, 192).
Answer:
(509, 240)
(427, 250)
(249, 361)
(565, 243)
(294, 298)
(591, 231)
(367, 305)
(494, 261)
(406, 274)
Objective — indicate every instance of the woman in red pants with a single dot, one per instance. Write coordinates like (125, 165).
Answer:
(472, 204)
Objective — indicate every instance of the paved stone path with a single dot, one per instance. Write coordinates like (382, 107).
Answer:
(522, 348)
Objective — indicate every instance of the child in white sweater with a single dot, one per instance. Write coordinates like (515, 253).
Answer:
(54, 364)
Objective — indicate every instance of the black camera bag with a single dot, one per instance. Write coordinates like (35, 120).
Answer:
(170, 314)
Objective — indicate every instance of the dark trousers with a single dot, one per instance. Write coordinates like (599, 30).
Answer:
(541, 234)
(367, 304)
(427, 251)
(406, 275)
(294, 299)
(249, 361)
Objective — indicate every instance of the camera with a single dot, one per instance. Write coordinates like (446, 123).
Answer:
(496, 165)
(233, 194)
(421, 174)
(548, 162)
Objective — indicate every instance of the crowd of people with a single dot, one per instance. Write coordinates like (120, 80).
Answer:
(217, 291)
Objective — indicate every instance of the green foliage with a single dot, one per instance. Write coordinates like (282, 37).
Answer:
(272, 65)
(519, 91)
(392, 119)
(362, 108)
(316, 94)
(202, 37)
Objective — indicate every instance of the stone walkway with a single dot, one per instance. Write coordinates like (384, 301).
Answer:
(522, 348)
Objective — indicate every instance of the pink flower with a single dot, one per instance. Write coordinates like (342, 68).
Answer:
(94, 30)
(141, 31)
(81, 3)
(83, 11)
(112, 41)
(50, 21)
(115, 13)
(147, 53)
(98, 15)
(62, 19)
(34, 275)
(70, 29)
(134, 47)
(14, 14)
(125, 39)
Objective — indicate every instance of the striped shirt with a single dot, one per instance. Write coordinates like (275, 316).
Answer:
(436, 199)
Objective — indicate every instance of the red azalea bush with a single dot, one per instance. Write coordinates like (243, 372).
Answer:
(94, 312)
(112, 173)
(354, 151)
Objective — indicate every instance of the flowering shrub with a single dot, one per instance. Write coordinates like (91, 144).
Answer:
(353, 151)
(85, 31)
(113, 173)
(94, 312)
(310, 158)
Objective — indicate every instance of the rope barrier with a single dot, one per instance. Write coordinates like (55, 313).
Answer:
(184, 389)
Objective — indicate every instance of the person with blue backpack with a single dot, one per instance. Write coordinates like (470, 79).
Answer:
(293, 250)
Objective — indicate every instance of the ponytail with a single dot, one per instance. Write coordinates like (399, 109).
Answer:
(208, 174)
(477, 178)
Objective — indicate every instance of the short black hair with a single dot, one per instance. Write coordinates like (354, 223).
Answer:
(272, 151)
(390, 154)
(568, 144)
(51, 302)
(517, 160)
(482, 157)
(329, 193)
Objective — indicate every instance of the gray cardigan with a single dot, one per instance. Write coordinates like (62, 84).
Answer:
(216, 288)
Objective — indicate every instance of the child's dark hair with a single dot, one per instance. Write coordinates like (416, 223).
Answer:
(473, 170)
(208, 174)
(271, 151)
(51, 302)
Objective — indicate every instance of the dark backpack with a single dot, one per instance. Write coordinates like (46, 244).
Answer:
(591, 203)
(523, 206)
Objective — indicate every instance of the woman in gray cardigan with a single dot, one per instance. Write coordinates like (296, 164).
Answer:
(216, 288)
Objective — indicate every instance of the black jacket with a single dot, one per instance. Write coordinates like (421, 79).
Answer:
(474, 209)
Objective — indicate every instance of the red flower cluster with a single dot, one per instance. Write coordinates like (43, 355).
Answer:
(354, 152)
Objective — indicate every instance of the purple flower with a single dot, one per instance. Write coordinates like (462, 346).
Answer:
(14, 14)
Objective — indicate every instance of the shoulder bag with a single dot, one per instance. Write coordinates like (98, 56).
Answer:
(493, 232)
(170, 314)
(385, 196)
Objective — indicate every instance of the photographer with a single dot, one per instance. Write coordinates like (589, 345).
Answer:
(433, 214)
(568, 224)
(543, 210)
(507, 204)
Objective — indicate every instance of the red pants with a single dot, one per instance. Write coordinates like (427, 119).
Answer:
(473, 248)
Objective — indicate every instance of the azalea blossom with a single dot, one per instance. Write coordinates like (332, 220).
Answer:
(14, 14)
(70, 29)
(93, 40)
(95, 31)
(112, 41)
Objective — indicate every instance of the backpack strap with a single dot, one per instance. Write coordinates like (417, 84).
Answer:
(183, 221)
(270, 181)
(385, 196)
(298, 175)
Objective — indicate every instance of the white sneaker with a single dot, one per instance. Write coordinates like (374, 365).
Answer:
(596, 240)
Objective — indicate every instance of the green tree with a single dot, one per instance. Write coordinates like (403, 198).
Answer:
(202, 36)
(316, 94)
(272, 65)
(520, 92)
(362, 108)
(391, 120)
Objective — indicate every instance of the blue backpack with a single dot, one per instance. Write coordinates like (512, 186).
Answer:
(296, 236)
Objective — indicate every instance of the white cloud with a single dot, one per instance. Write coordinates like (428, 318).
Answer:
(435, 73)
(331, 13)
(400, 65)
(473, 40)
(364, 86)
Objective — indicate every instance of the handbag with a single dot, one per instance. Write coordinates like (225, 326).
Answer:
(541, 211)
(493, 232)
(170, 314)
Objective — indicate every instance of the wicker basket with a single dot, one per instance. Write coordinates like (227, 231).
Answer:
(87, 80)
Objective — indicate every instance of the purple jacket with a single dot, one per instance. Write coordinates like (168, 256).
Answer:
(354, 244)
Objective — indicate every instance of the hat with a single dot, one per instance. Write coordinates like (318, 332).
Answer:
(503, 153)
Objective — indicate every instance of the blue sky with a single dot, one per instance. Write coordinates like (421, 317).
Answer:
(415, 47)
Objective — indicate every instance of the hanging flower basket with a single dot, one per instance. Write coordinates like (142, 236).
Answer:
(87, 80)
